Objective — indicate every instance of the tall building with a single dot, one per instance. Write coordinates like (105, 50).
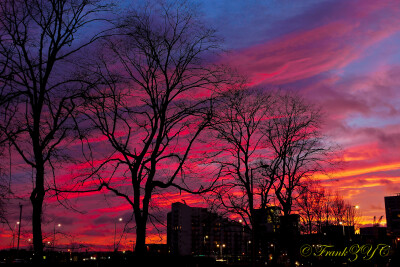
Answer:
(392, 207)
(196, 231)
(267, 228)
(267, 220)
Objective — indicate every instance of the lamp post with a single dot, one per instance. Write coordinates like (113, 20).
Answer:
(341, 223)
(54, 235)
(248, 246)
(357, 207)
(115, 233)
(30, 244)
(204, 243)
(19, 225)
(13, 241)
(220, 246)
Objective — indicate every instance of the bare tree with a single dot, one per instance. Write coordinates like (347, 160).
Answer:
(338, 209)
(297, 147)
(151, 110)
(4, 186)
(317, 208)
(352, 216)
(315, 205)
(38, 99)
(343, 212)
(309, 203)
(4, 195)
(237, 126)
(322, 200)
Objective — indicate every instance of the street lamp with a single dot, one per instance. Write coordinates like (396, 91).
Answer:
(272, 245)
(115, 233)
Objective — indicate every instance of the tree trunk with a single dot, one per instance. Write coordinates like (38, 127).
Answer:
(253, 246)
(36, 198)
(140, 248)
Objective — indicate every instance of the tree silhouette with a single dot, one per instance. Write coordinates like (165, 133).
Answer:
(239, 142)
(153, 103)
(298, 150)
(38, 99)
(318, 207)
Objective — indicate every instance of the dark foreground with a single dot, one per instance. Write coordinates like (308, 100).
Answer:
(195, 262)
(122, 259)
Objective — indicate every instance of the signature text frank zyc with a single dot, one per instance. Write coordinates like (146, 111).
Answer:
(353, 252)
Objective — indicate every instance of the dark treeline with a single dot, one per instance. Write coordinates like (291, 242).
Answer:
(318, 207)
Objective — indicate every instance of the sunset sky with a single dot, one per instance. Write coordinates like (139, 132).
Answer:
(340, 54)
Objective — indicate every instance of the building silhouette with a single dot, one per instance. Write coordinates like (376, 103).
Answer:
(267, 220)
(197, 231)
(374, 233)
(267, 228)
(392, 207)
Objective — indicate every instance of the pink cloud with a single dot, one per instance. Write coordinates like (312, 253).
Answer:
(304, 54)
